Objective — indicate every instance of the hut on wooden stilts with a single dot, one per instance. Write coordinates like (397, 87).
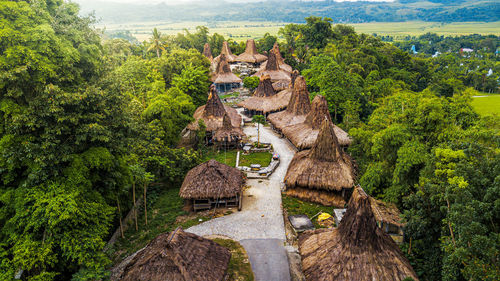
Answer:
(251, 56)
(356, 250)
(177, 255)
(322, 174)
(228, 136)
(212, 184)
(224, 79)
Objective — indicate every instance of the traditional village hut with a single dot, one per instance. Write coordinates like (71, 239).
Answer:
(356, 250)
(279, 59)
(323, 173)
(207, 52)
(224, 79)
(212, 184)
(212, 114)
(303, 135)
(273, 70)
(265, 100)
(228, 136)
(297, 108)
(227, 52)
(177, 255)
(251, 55)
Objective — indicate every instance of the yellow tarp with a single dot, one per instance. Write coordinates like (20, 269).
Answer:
(324, 216)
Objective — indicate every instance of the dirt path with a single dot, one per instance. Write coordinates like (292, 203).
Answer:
(259, 226)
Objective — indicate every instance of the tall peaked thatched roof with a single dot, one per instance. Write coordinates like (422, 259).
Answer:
(228, 133)
(273, 70)
(265, 98)
(325, 166)
(356, 250)
(212, 113)
(211, 180)
(303, 135)
(207, 52)
(223, 74)
(227, 52)
(251, 55)
(298, 106)
(279, 59)
(177, 255)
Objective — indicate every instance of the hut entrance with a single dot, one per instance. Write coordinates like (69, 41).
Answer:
(210, 203)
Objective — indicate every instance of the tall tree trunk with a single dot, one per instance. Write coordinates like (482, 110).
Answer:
(158, 53)
(120, 216)
(135, 206)
(145, 204)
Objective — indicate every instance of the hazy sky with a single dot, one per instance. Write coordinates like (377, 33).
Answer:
(186, 1)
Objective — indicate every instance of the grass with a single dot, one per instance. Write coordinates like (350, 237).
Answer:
(294, 206)
(239, 268)
(487, 105)
(235, 94)
(262, 158)
(227, 157)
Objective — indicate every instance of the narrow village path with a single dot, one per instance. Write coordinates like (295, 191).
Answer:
(259, 226)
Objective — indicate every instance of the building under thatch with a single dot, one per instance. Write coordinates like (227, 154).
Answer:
(297, 108)
(212, 184)
(303, 135)
(356, 250)
(177, 255)
(207, 52)
(227, 52)
(279, 59)
(323, 173)
(228, 136)
(251, 55)
(224, 79)
(265, 100)
(274, 71)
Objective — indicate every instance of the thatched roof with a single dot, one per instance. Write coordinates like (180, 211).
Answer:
(227, 132)
(279, 59)
(177, 255)
(227, 52)
(297, 108)
(303, 135)
(251, 55)
(213, 112)
(325, 166)
(385, 212)
(265, 98)
(223, 74)
(207, 52)
(273, 70)
(211, 180)
(356, 250)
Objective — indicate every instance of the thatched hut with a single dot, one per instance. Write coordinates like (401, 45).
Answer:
(303, 135)
(227, 52)
(265, 100)
(228, 136)
(251, 55)
(224, 79)
(177, 255)
(323, 173)
(274, 71)
(297, 108)
(212, 184)
(279, 59)
(356, 250)
(207, 52)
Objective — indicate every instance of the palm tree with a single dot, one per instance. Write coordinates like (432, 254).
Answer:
(157, 44)
(259, 119)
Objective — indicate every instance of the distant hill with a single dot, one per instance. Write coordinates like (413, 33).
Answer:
(296, 11)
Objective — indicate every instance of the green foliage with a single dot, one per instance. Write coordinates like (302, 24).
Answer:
(251, 82)
(193, 81)
(261, 158)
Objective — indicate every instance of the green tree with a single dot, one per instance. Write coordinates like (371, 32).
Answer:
(156, 43)
(251, 82)
(259, 119)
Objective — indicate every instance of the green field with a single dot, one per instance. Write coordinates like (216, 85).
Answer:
(242, 30)
(487, 104)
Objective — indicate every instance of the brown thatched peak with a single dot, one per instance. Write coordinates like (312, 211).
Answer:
(207, 52)
(265, 88)
(211, 180)
(326, 147)
(319, 111)
(214, 106)
(228, 133)
(293, 77)
(276, 51)
(272, 63)
(356, 250)
(227, 52)
(223, 74)
(299, 102)
(251, 55)
(177, 255)
(273, 70)
(223, 66)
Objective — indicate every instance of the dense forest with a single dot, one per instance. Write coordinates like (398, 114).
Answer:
(296, 11)
(84, 122)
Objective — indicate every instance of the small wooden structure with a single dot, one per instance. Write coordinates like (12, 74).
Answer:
(279, 58)
(225, 80)
(211, 185)
(177, 255)
(273, 70)
(356, 250)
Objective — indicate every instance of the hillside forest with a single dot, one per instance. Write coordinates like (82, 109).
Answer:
(88, 122)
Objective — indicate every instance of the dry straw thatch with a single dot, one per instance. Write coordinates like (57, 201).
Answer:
(251, 55)
(385, 212)
(279, 59)
(303, 135)
(212, 114)
(212, 180)
(273, 70)
(357, 250)
(223, 74)
(207, 52)
(297, 108)
(227, 52)
(227, 133)
(324, 167)
(179, 256)
(265, 99)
